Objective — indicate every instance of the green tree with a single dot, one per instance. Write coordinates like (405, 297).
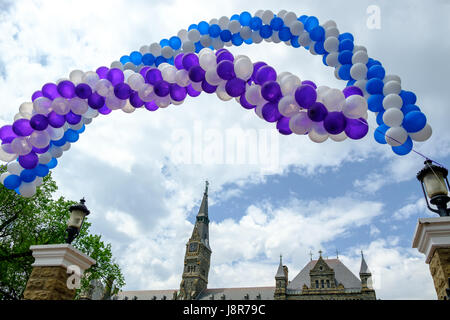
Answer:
(42, 220)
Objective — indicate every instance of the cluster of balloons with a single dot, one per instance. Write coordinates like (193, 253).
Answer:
(195, 61)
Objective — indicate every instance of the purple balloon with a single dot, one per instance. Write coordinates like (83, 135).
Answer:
(335, 122)
(245, 103)
(29, 161)
(235, 87)
(135, 100)
(151, 106)
(122, 91)
(317, 112)
(153, 76)
(73, 118)
(192, 92)
(115, 76)
(36, 94)
(271, 91)
(144, 70)
(104, 110)
(220, 51)
(225, 56)
(351, 91)
(225, 70)
(56, 120)
(22, 127)
(96, 101)
(190, 60)
(356, 128)
(83, 91)
(177, 93)
(178, 62)
(102, 72)
(308, 82)
(264, 74)
(162, 88)
(39, 122)
(7, 134)
(256, 67)
(208, 88)
(283, 126)
(197, 74)
(270, 112)
(66, 89)
(50, 91)
(305, 96)
(41, 150)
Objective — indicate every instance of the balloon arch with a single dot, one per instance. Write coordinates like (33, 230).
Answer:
(194, 61)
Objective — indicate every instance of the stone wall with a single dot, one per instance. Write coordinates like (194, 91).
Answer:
(48, 283)
(440, 271)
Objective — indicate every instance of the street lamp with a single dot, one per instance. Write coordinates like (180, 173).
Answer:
(78, 213)
(435, 186)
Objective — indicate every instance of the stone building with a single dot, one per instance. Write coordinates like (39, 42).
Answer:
(319, 279)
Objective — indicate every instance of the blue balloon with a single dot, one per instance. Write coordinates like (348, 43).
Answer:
(285, 34)
(375, 86)
(318, 47)
(41, 170)
(375, 103)
(380, 134)
(52, 164)
(148, 59)
(236, 39)
(351, 82)
(225, 35)
(164, 43)
(159, 60)
(198, 47)
(192, 26)
(414, 121)
(408, 97)
(136, 58)
(265, 31)
(12, 182)
(17, 190)
(380, 118)
(175, 43)
(317, 34)
(372, 63)
(60, 142)
(71, 136)
(311, 23)
(344, 72)
(203, 27)
(28, 175)
(376, 71)
(234, 17)
(83, 128)
(303, 18)
(125, 59)
(324, 58)
(214, 30)
(405, 148)
(346, 44)
(245, 18)
(247, 41)
(346, 35)
(345, 57)
(294, 42)
(409, 108)
(276, 24)
(255, 23)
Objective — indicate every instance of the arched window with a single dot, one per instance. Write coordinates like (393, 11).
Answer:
(317, 284)
(322, 283)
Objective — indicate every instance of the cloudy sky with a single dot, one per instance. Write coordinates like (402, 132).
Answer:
(295, 197)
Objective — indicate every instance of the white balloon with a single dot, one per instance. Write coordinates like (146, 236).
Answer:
(316, 137)
(392, 87)
(362, 85)
(45, 158)
(117, 65)
(296, 28)
(167, 52)
(60, 106)
(258, 110)
(20, 146)
(338, 137)
(42, 105)
(169, 74)
(360, 57)
(288, 107)
(300, 123)
(181, 77)
(358, 71)
(331, 32)
(92, 113)
(38, 182)
(128, 108)
(188, 46)
(14, 168)
(27, 190)
(256, 37)
(331, 44)
(267, 16)
(392, 77)
(197, 86)
(155, 49)
(205, 40)
(104, 87)
(289, 84)
(355, 107)
(208, 61)
(423, 134)
(334, 100)
(91, 78)
(222, 93)
(223, 22)
(304, 39)
(66, 146)
(392, 101)
(78, 106)
(329, 24)
(56, 152)
(333, 59)
(246, 33)
(76, 76)
(194, 35)
(396, 136)
(129, 66)
(212, 77)
(243, 68)
(40, 139)
(253, 95)
(393, 117)
(136, 81)
(217, 43)
(3, 176)
(26, 108)
(6, 156)
(234, 26)
(55, 133)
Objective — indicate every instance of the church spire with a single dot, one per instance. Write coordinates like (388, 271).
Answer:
(364, 268)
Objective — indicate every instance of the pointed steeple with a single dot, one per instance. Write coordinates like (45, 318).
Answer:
(280, 271)
(364, 268)
(202, 220)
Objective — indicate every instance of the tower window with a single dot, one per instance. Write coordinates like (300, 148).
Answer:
(317, 283)
(328, 283)
(322, 283)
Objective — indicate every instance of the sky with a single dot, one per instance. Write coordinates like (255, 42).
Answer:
(143, 174)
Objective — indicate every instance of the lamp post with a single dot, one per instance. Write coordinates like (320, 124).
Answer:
(78, 213)
(435, 187)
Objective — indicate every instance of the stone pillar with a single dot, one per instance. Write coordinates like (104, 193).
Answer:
(432, 238)
(53, 265)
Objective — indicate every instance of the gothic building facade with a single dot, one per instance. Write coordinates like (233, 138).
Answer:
(319, 279)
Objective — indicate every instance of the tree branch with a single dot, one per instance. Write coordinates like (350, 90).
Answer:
(16, 256)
